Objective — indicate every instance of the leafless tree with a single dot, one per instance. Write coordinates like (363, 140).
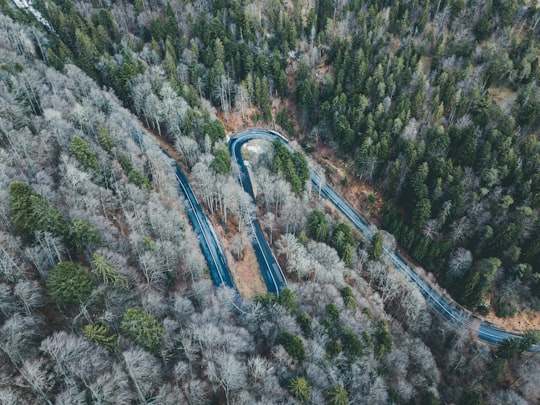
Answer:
(228, 373)
(10, 268)
(460, 261)
(112, 386)
(29, 294)
(505, 397)
(189, 149)
(460, 230)
(242, 99)
(71, 395)
(144, 372)
(35, 374)
(18, 336)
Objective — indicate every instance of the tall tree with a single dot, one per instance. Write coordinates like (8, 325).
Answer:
(318, 226)
(70, 283)
(376, 247)
(143, 328)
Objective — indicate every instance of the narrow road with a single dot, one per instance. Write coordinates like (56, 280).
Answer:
(208, 240)
(449, 310)
(271, 271)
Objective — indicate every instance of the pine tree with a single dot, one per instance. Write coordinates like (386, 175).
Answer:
(70, 283)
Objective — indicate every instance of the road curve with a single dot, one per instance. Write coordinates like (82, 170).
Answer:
(270, 269)
(485, 331)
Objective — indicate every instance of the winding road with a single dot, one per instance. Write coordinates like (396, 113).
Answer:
(449, 310)
(270, 269)
(272, 273)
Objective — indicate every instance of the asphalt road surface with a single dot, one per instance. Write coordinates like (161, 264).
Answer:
(271, 271)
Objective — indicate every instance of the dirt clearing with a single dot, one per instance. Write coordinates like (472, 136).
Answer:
(245, 272)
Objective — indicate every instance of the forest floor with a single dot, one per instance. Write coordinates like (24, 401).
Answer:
(526, 320)
(245, 271)
(504, 97)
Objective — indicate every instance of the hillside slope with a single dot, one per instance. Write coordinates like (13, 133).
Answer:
(103, 288)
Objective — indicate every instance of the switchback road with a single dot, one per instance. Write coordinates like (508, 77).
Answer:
(270, 269)
(449, 310)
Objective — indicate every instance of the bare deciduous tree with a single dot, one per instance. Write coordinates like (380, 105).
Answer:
(144, 372)
(228, 373)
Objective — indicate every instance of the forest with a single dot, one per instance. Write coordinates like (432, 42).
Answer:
(105, 296)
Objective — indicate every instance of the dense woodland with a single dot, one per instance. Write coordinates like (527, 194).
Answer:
(436, 104)
(104, 294)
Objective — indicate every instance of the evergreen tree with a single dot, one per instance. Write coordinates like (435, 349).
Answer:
(318, 226)
(100, 335)
(292, 344)
(337, 395)
(142, 328)
(83, 236)
(376, 247)
(106, 273)
(80, 149)
(32, 213)
(343, 242)
(222, 162)
(69, 283)
(287, 299)
(300, 389)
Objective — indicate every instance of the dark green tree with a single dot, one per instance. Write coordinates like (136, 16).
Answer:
(352, 345)
(343, 242)
(143, 328)
(376, 246)
(306, 323)
(421, 213)
(214, 130)
(471, 398)
(139, 179)
(484, 27)
(301, 167)
(293, 167)
(429, 398)
(325, 9)
(83, 236)
(32, 213)
(122, 75)
(496, 370)
(105, 139)
(222, 162)
(348, 297)
(292, 344)
(70, 283)
(287, 299)
(81, 150)
(479, 281)
(384, 340)
(318, 226)
(510, 348)
(530, 338)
